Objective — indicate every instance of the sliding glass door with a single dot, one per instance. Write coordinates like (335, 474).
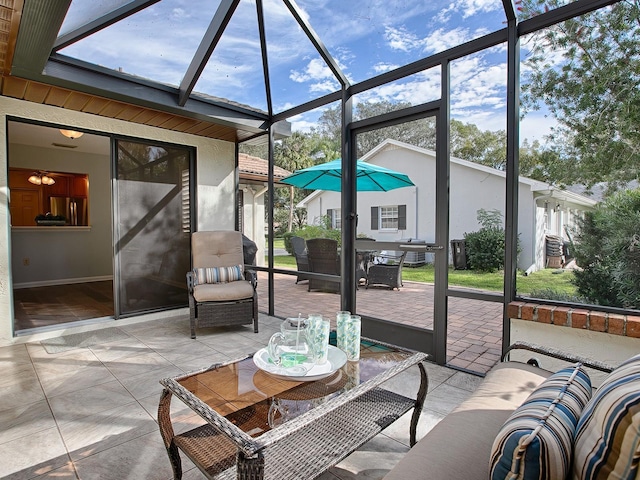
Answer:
(152, 225)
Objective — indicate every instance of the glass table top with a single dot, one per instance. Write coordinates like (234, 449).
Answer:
(256, 402)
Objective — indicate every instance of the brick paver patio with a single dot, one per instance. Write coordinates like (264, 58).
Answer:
(474, 327)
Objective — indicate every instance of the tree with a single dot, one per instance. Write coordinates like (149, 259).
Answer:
(593, 91)
(607, 248)
(470, 143)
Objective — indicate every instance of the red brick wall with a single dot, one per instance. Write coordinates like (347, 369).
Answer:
(614, 324)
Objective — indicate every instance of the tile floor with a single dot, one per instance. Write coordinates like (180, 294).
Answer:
(90, 413)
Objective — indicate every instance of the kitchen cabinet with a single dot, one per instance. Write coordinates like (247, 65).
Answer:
(29, 200)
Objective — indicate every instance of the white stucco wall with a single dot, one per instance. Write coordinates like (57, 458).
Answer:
(253, 216)
(585, 343)
(215, 178)
(470, 190)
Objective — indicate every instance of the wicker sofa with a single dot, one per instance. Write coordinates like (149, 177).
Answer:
(470, 442)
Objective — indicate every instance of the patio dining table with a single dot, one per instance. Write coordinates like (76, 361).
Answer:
(262, 426)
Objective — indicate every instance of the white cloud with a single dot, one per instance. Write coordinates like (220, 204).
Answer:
(400, 39)
(316, 69)
(382, 67)
(441, 39)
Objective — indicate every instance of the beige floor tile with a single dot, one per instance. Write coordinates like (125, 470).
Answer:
(371, 461)
(95, 433)
(66, 472)
(13, 355)
(116, 350)
(24, 420)
(137, 364)
(72, 381)
(141, 386)
(33, 455)
(20, 390)
(143, 457)
(105, 399)
(91, 401)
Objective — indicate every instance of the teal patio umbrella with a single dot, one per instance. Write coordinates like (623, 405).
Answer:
(328, 176)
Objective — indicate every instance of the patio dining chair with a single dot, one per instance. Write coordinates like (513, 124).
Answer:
(323, 258)
(221, 291)
(300, 253)
(386, 270)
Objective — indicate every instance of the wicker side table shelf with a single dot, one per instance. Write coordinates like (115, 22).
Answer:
(258, 426)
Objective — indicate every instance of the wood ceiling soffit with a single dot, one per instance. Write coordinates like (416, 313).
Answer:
(112, 109)
(95, 105)
(129, 112)
(77, 101)
(14, 87)
(172, 123)
(144, 116)
(198, 128)
(57, 96)
(159, 119)
(36, 92)
(15, 6)
(185, 123)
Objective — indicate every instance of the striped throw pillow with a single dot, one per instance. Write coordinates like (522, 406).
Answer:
(218, 274)
(536, 441)
(608, 436)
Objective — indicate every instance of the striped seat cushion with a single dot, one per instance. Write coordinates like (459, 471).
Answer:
(536, 440)
(608, 437)
(218, 274)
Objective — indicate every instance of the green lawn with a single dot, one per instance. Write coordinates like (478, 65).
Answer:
(541, 280)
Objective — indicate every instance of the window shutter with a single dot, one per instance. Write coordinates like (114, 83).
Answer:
(374, 218)
(240, 209)
(330, 217)
(402, 217)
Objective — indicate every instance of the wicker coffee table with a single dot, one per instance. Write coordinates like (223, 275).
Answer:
(258, 426)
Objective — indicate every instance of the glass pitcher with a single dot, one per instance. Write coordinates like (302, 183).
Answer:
(289, 347)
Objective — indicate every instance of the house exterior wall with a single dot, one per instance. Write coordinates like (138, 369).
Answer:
(253, 218)
(470, 190)
(215, 172)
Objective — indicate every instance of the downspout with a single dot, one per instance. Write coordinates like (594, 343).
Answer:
(416, 231)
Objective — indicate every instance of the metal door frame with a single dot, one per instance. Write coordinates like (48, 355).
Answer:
(432, 342)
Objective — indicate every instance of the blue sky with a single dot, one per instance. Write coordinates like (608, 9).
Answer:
(366, 37)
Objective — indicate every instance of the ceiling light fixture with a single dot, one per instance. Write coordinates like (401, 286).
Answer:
(41, 178)
(72, 134)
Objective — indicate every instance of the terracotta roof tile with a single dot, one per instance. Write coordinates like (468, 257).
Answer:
(259, 166)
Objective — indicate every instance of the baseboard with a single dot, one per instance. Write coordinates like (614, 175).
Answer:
(62, 281)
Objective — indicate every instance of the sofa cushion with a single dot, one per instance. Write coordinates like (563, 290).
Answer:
(458, 447)
(536, 442)
(608, 437)
(218, 274)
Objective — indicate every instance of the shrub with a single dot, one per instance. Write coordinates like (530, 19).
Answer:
(553, 294)
(485, 248)
(607, 248)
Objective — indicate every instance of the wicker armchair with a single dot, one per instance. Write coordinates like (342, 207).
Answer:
(387, 270)
(217, 304)
(300, 253)
(323, 258)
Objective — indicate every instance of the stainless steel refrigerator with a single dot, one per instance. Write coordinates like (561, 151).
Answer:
(74, 209)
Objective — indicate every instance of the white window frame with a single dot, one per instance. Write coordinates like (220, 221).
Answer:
(388, 214)
(336, 218)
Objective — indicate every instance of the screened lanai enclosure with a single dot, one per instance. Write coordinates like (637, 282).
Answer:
(541, 94)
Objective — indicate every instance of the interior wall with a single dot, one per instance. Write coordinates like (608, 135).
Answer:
(65, 254)
(215, 178)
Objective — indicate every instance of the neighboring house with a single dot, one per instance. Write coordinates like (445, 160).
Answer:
(254, 174)
(410, 212)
